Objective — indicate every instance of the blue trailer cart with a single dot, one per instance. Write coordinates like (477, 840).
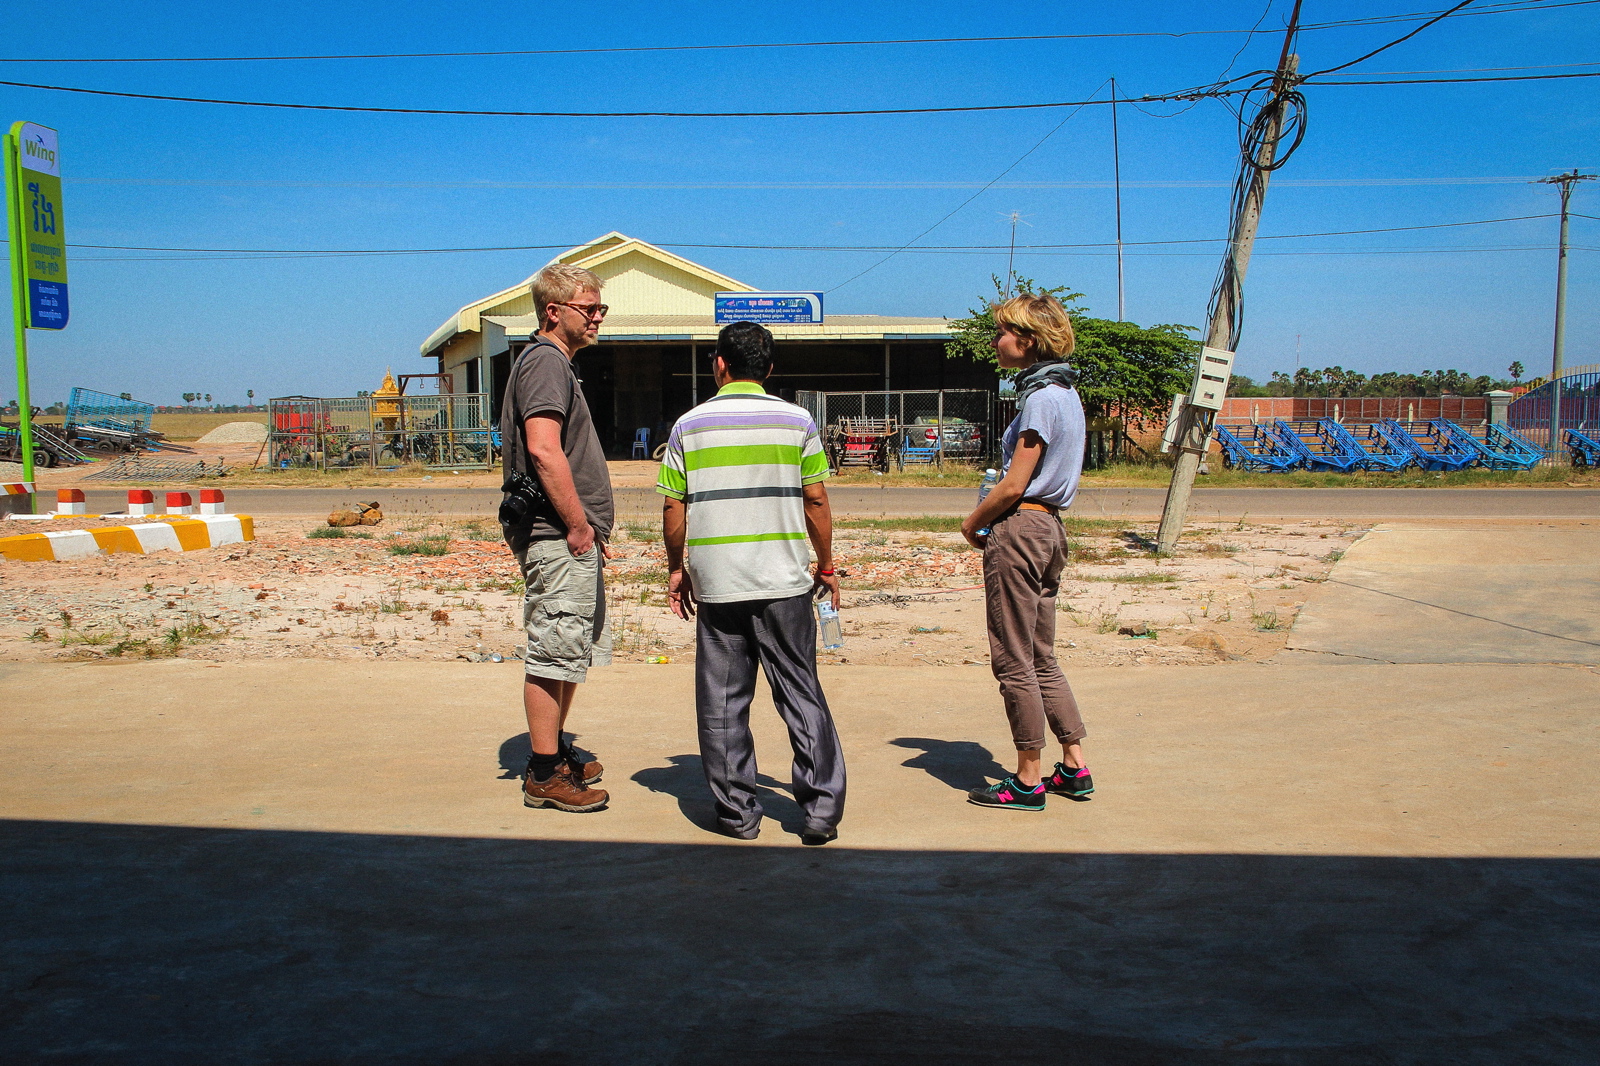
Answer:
(1385, 448)
(1499, 448)
(1584, 446)
(1255, 447)
(1432, 445)
(109, 423)
(1322, 444)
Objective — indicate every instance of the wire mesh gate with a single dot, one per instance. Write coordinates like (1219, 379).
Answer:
(448, 430)
(880, 430)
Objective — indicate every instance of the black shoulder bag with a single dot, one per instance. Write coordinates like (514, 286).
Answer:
(525, 498)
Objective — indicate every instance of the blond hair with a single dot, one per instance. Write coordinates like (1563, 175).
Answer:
(1041, 319)
(560, 282)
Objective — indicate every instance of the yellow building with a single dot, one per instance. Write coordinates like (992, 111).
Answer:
(649, 365)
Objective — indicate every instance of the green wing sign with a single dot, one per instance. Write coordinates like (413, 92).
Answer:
(38, 208)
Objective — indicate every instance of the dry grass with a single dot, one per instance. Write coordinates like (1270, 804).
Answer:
(194, 426)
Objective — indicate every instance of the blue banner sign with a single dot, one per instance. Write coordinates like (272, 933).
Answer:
(769, 307)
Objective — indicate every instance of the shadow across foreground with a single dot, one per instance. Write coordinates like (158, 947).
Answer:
(138, 944)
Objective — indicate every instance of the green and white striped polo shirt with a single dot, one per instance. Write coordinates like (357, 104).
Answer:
(739, 462)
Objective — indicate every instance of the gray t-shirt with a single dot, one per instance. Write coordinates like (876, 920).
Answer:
(1056, 414)
(543, 381)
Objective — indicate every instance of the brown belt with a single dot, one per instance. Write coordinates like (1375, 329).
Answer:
(1029, 505)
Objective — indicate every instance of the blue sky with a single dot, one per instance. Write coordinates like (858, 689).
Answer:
(159, 174)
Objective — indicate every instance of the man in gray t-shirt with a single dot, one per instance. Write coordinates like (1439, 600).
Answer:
(547, 433)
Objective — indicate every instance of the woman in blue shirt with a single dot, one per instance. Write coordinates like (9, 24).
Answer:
(1026, 548)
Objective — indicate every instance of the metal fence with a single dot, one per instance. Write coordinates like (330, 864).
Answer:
(448, 430)
(909, 428)
(1529, 414)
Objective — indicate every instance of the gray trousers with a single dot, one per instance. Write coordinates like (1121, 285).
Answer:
(730, 639)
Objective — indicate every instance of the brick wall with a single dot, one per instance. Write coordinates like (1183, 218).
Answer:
(1358, 409)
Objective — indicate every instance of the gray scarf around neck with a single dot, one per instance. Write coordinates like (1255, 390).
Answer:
(1039, 375)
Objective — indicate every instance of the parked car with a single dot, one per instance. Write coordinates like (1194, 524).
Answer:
(919, 441)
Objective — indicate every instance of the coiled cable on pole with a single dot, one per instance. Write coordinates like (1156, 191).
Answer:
(1266, 141)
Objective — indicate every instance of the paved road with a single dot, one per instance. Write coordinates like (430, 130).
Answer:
(1228, 504)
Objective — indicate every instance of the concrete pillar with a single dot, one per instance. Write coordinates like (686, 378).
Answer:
(1499, 403)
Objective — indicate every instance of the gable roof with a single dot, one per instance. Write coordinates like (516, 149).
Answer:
(612, 255)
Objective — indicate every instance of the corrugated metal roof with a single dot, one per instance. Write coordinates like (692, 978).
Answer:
(705, 327)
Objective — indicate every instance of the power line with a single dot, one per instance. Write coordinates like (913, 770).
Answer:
(1496, 9)
(1450, 81)
(1391, 44)
(1180, 96)
(954, 211)
(1029, 249)
(1308, 183)
(923, 251)
(1189, 94)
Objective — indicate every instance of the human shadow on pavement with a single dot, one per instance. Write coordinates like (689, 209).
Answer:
(515, 750)
(962, 764)
(190, 946)
(685, 780)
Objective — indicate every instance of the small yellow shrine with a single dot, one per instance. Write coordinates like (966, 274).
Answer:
(386, 401)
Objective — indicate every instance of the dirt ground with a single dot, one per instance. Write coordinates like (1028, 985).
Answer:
(431, 588)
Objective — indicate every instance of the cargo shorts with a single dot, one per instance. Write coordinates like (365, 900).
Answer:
(563, 610)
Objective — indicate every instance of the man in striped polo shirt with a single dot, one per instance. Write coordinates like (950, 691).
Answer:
(743, 480)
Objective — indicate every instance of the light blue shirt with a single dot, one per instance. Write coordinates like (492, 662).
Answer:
(1056, 414)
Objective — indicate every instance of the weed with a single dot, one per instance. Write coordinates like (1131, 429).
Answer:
(434, 544)
(644, 531)
(149, 587)
(41, 633)
(1152, 577)
(66, 619)
(91, 639)
(1265, 620)
(337, 533)
(1334, 556)
(1205, 608)
(1212, 548)
(1107, 623)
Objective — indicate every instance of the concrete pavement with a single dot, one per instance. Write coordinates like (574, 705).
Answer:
(1488, 594)
(1285, 863)
(1209, 504)
(319, 862)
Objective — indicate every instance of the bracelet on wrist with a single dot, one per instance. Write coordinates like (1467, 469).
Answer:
(825, 573)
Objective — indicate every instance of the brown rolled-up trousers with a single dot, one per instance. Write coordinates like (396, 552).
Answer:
(1022, 564)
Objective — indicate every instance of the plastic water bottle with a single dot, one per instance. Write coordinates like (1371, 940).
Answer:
(991, 478)
(829, 631)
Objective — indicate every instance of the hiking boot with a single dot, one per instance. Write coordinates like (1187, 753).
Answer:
(815, 838)
(1065, 781)
(591, 771)
(563, 793)
(1009, 795)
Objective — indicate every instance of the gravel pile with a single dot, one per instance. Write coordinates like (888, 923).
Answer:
(11, 472)
(236, 433)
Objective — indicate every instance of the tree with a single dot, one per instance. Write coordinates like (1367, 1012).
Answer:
(1124, 370)
(250, 393)
(188, 397)
(1516, 369)
(124, 395)
(208, 397)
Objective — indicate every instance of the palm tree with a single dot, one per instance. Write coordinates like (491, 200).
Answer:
(1516, 369)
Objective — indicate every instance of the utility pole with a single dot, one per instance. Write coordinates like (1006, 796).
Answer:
(1116, 172)
(1558, 354)
(1194, 423)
